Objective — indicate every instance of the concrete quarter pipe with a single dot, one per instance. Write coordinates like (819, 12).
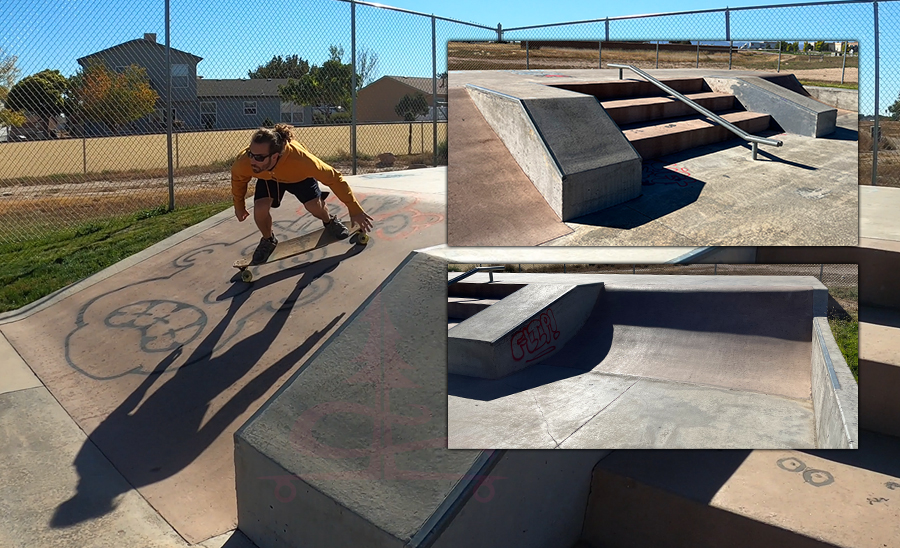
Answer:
(661, 361)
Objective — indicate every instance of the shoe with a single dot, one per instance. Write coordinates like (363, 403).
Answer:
(337, 228)
(264, 250)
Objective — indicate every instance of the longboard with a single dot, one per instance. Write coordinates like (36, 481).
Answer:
(295, 246)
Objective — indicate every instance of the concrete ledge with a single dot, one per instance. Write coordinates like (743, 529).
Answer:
(795, 113)
(312, 469)
(568, 146)
(834, 391)
(530, 325)
(845, 99)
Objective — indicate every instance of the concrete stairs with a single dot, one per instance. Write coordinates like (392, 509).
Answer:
(464, 300)
(657, 125)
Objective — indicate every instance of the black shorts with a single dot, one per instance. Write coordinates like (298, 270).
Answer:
(305, 190)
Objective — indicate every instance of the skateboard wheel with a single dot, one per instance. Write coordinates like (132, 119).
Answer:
(363, 238)
(246, 276)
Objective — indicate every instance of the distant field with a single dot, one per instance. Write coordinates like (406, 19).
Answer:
(888, 153)
(493, 56)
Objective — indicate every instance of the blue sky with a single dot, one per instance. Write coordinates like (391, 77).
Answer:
(236, 36)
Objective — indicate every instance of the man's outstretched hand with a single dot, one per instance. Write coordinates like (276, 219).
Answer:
(362, 220)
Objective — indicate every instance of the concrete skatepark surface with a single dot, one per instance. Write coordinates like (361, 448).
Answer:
(663, 361)
(160, 362)
(535, 499)
(803, 193)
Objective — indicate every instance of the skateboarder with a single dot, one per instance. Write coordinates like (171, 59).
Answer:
(281, 165)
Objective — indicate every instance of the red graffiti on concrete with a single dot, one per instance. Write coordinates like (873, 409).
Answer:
(534, 341)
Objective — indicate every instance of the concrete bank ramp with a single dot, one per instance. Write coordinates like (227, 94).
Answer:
(673, 361)
(160, 362)
(484, 169)
(352, 451)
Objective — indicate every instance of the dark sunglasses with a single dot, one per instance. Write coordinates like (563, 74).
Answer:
(259, 157)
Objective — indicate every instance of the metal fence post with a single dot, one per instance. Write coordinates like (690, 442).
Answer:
(821, 273)
(698, 53)
(875, 126)
(353, 83)
(728, 35)
(844, 46)
(600, 54)
(499, 32)
(657, 54)
(779, 57)
(607, 29)
(169, 111)
(434, 103)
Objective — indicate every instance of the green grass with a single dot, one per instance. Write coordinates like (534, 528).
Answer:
(846, 333)
(816, 83)
(41, 266)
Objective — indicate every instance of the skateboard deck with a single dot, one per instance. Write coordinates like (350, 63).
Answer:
(301, 244)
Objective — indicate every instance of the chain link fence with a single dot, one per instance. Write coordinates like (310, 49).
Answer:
(127, 109)
(751, 38)
(92, 118)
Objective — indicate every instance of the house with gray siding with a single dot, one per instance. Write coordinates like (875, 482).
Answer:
(246, 104)
(151, 55)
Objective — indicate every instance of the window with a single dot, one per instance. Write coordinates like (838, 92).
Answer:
(208, 114)
(249, 108)
(179, 76)
(291, 113)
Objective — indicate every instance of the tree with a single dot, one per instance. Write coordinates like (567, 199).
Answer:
(366, 61)
(409, 107)
(894, 110)
(327, 87)
(9, 73)
(115, 99)
(40, 94)
(292, 66)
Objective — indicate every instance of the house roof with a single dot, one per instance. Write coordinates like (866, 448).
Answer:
(422, 84)
(253, 87)
(140, 41)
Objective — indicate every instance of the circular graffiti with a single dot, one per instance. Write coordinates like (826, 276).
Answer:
(791, 464)
(163, 325)
(817, 478)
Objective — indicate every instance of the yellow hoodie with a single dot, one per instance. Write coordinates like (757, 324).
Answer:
(295, 164)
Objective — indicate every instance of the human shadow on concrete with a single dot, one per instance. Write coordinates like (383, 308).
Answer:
(152, 436)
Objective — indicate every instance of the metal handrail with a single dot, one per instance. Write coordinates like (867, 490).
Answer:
(490, 269)
(753, 139)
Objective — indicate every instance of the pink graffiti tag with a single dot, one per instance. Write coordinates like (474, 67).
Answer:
(536, 338)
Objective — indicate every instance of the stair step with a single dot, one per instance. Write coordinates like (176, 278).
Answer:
(675, 135)
(482, 290)
(635, 88)
(465, 307)
(747, 498)
(642, 109)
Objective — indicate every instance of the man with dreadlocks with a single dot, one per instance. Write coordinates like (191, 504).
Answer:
(281, 165)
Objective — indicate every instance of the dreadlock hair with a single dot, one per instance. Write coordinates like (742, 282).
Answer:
(276, 138)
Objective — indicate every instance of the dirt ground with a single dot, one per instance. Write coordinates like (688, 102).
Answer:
(851, 74)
